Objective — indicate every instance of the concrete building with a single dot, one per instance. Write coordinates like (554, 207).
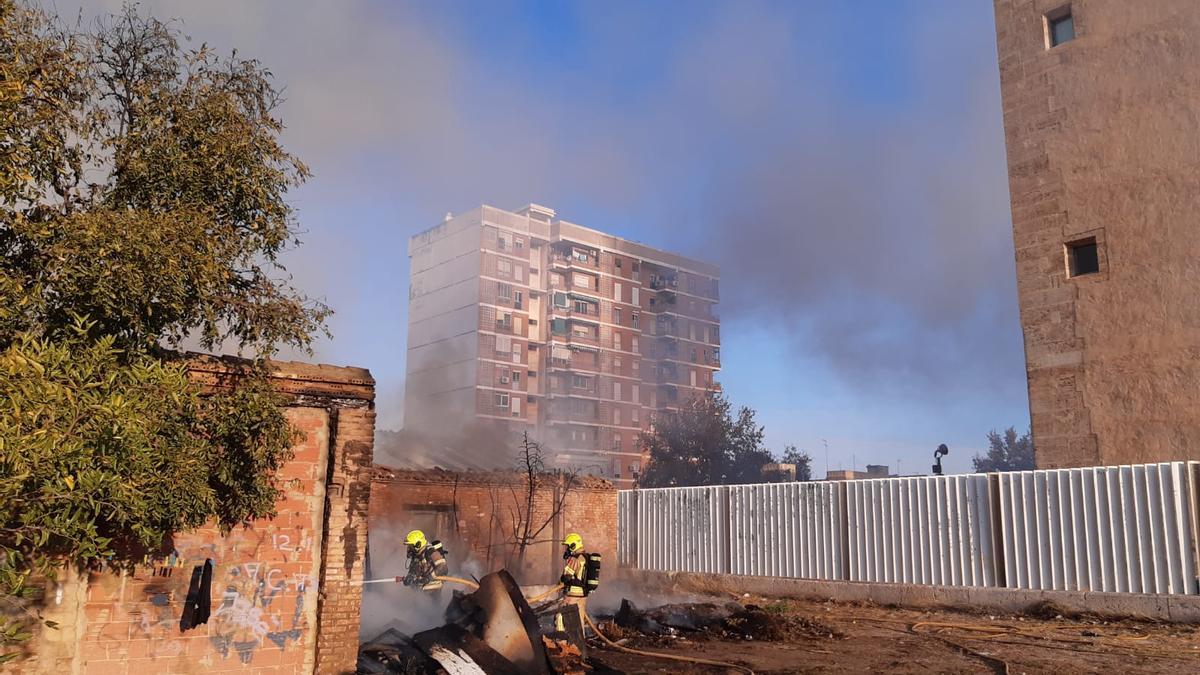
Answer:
(1102, 120)
(528, 322)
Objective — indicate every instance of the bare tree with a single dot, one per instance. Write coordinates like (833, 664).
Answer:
(528, 523)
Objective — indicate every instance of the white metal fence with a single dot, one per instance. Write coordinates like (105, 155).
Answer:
(1117, 529)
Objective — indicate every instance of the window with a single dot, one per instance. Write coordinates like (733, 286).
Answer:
(581, 331)
(1060, 26)
(558, 326)
(581, 306)
(617, 390)
(504, 320)
(581, 381)
(1083, 257)
(636, 365)
(617, 291)
(634, 413)
(560, 356)
(557, 280)
(616, 340)
(504, 267)
(617, 262)
(516, 406)
(504, 291)
(519, 273)
(502, 242)
(500, 399)
(560, 299)
(635, 396)
(503, 344)
(635, 296)
(518, 243)
(716, 334)
(617, 363)
(617, 315)
(517, 303)
(581, 281)
(516, 352)
(636, 267)
(617, 419)
(633, 318)
(516, 377)
(579, 254)
(635, 345)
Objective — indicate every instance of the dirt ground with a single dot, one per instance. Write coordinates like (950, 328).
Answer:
(827, 637)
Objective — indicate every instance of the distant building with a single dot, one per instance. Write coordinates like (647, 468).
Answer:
(873, 471)
(1100, 116)
(779, 473)
(526, 322)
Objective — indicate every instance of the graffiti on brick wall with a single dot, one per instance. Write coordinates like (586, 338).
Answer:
(260, 580)
(254, 612)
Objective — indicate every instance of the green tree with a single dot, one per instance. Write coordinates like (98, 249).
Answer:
(143, 189)
(802, 460)
(704, 443)
(1006, 453)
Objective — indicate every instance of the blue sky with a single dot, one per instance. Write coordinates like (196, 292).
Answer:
(843, 162)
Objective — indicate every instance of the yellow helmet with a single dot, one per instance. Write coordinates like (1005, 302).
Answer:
(416, 539)
(573, 542)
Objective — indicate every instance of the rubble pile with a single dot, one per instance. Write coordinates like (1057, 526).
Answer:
(729, 620)
(492, 630)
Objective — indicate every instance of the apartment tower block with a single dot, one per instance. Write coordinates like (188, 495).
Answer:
(525, 322)
(1102, 121)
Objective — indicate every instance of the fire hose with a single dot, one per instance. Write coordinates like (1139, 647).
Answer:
(397, 580)
(659, 655)
(622, 648)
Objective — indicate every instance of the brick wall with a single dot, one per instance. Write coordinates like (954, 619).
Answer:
(282, 601)
(471, 513)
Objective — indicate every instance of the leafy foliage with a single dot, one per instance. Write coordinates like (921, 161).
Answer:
(802, 460)
(702, 443)
(1006, 453)
(144, 188)
(142, 205)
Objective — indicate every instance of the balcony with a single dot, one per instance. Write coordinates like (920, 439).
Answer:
(663, 282)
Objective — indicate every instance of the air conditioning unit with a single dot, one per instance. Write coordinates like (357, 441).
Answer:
(503, 379)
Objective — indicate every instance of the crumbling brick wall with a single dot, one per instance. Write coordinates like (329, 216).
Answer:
(472, 513)
(283, 593)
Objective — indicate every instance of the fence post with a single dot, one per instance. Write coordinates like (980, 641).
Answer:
(843, 528)
(997, 530)
(726, 552)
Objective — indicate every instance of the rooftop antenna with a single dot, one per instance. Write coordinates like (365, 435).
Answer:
(826, 456)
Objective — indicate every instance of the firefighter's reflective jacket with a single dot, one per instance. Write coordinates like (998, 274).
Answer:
(425, 565)
(574, 575)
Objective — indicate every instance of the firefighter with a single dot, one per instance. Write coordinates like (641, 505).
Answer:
(574, 577)
(425, 563)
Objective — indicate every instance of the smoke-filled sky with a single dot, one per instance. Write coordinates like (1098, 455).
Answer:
(843, 163)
